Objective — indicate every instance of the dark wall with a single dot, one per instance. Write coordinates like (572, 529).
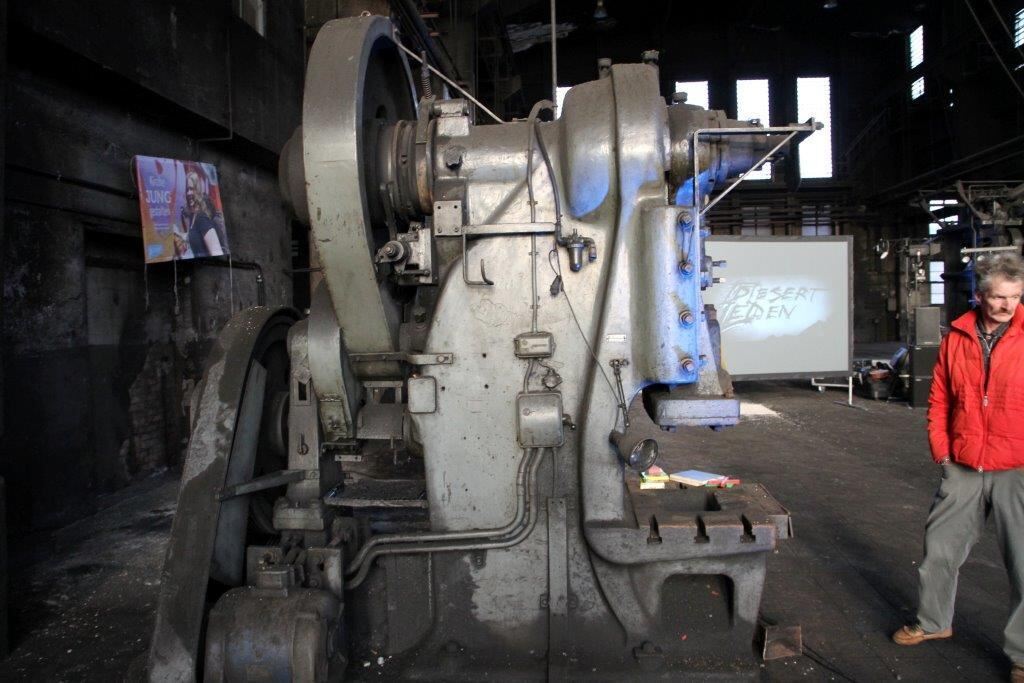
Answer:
(100, 351)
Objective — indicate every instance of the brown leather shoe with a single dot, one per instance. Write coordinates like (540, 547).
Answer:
(1017, 673)
(915, 635)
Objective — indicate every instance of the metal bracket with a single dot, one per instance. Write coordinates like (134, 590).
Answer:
(465, 268)
(489, 229)
(267, 481)
(443, 358)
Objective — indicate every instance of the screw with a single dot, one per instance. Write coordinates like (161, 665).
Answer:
(686, 267)
(688, 365)
(686, 317)
(685, 217)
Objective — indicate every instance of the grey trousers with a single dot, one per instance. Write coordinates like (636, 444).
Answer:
(965, 500)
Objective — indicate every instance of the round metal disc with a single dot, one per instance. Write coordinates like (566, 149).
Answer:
(357, 82)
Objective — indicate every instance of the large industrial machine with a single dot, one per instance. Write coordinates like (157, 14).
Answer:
(433, 475)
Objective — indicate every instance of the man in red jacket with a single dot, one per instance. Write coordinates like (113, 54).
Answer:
(976, 432)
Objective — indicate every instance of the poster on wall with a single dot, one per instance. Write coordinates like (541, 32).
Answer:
(784, 308)
(181, 207)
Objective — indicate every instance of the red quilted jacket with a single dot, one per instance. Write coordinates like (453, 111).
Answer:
(978, 426)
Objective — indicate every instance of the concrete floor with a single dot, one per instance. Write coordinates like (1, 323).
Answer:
(857, 481)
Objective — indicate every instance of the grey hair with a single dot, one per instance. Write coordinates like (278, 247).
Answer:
(1006, 265)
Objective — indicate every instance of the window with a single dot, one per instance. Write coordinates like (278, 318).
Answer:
(696, 92)
(1018, 28)
(916, 47)
(253, 13)
(752, 103)
(816, 219)
(813, 100)
(917, 88)
(560, 97)
(937, 206)
(755, 220)
(936, 287)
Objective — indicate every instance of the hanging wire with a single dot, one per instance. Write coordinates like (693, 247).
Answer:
(177, 308)
(231, 286)
(995, 52)
(556, 268)
(1006, 27)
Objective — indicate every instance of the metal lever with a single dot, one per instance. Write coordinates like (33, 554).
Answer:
(465, 268)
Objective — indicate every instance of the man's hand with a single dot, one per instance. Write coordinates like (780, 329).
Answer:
(945, 461)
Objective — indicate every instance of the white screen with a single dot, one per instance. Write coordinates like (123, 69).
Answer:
(784, 308)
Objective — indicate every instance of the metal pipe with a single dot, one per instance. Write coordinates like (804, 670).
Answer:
(496, 543)
(743, 175)
(412, 13)
(985, 250)
(462, 91)
(554, 57)
(392, 539)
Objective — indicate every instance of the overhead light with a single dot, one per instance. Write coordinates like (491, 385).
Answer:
(599, 11)
(831, 4)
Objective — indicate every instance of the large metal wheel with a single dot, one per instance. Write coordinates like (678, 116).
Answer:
(357, 84)
(238, 412)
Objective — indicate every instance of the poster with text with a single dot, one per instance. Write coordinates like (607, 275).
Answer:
(784, 305)
(181, 207)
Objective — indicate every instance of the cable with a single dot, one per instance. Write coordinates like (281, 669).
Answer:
(995, 53)
(576, 320)
(999, 16)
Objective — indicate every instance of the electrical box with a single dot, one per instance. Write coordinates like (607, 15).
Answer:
(535, 345)
(539, 419)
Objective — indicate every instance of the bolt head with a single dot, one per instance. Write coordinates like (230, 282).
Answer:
(688, 365)
(686, 267)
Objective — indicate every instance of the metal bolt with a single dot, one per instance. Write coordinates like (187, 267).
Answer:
(717, 280)
(686, 267)
(685, 217)
(686, 317)
(453, 157)
(687, 365)
(719, 264)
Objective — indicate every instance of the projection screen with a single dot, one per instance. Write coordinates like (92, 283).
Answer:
(785, 307)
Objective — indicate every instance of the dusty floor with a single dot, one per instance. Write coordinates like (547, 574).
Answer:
(857, 481)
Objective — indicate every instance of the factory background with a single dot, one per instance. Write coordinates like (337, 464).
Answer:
(101, 352)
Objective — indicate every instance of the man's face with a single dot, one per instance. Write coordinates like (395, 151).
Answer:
(1000, 301)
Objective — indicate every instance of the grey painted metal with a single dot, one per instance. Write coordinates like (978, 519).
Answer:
(333, 379)
(552, 550)
(262, 483)
(272, 635)
(539, 419)
(335, 109)
(174, 649)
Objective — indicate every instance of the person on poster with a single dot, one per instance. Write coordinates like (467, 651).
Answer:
(198, 221)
